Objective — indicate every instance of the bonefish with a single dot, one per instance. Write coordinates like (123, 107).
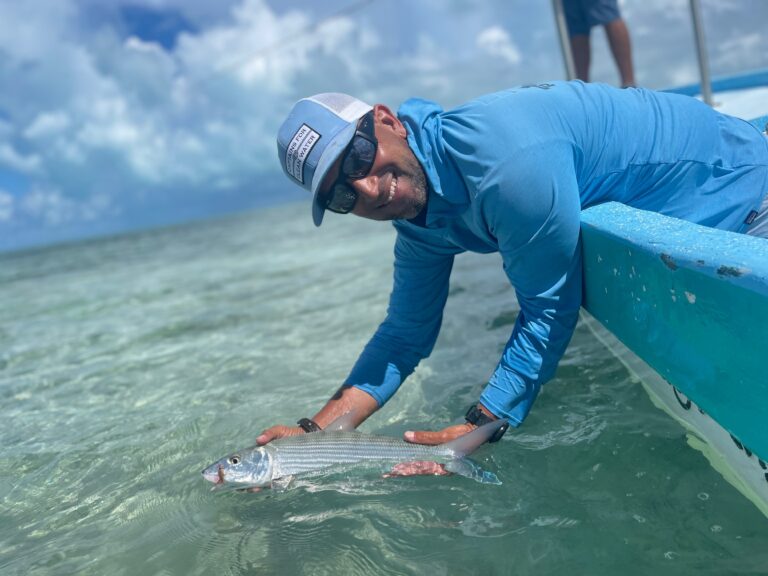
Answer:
(339, 445)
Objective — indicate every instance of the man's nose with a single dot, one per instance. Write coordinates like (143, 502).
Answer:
(366, 187)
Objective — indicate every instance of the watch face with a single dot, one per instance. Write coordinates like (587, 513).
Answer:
(499, 433)
(308, 425)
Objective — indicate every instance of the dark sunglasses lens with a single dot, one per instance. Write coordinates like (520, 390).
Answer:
(366, 124)
(342, 199)
(359, 158)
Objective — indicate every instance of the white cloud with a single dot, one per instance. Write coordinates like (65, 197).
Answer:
(12, 159)
(745, 51)
(136, 114)
(657, 10)
(255, 46)
(6, 206)
(497, 42)
(47, 124)
(53, 208)
(6, 129)
(34, 30)
(139, 45)
(722, 6)
(683, 74)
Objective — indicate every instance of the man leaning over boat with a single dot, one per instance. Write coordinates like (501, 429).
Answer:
(508, 172)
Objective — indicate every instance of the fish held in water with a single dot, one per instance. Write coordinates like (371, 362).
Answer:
(338, 445)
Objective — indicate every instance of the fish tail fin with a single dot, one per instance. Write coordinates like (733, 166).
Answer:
(472, 470)
(465, 445)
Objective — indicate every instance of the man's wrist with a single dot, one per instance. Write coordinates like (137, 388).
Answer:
(477, 415)
(487, 412)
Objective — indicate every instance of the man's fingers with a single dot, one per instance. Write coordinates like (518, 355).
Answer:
(263, 438)
(268, 435)
(417, 468)
(424, 437)
(438, 437)
(276, 432)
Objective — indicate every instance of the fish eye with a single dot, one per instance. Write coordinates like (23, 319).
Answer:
(234, 460)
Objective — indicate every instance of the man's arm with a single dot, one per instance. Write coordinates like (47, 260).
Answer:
(531, 205)
(422, 268)
(347, 399)
(536, 218)
(423, 263)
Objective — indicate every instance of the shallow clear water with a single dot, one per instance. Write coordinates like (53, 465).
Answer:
(128, 364)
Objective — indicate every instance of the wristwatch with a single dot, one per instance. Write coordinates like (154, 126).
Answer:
(308, 425)
(477, 417)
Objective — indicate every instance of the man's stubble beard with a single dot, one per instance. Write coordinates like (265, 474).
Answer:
(419, 182)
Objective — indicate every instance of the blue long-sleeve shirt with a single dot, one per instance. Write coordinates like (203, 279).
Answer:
(510, 172)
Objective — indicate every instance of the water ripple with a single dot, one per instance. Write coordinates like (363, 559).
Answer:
(128, 364)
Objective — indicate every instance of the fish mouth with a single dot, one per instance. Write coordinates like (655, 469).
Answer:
(214, 475)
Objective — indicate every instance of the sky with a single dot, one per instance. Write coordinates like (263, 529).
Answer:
(126, 114)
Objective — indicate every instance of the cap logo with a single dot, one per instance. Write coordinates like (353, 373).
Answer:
(298, 150)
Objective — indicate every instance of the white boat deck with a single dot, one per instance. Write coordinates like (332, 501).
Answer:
(747, 104)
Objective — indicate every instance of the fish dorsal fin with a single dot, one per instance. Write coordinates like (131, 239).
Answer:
(344, 423)
(465, 445)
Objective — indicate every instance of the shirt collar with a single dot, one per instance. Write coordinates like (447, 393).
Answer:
(448, 197)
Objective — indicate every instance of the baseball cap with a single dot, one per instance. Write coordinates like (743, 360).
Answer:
(312, 138)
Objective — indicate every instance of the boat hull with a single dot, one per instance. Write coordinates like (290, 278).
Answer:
(686, 309)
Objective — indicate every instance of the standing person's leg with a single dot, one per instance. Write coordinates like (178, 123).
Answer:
(581, 49)
(606, 13)
(578, 30)
(621, 48)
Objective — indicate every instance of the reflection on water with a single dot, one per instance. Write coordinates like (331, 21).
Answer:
(128, 364)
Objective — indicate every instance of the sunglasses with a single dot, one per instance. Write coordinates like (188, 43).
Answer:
(356, 163)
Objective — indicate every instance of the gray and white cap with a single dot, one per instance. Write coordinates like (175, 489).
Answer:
(313, 136)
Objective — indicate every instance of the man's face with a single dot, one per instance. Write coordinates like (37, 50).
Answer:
(396, 187)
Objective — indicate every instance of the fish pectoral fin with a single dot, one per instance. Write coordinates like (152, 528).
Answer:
(469, 469)
(281, 484)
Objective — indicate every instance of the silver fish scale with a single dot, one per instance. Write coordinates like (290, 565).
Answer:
(309, 452)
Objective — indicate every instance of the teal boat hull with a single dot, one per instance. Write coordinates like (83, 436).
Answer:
(686, 307)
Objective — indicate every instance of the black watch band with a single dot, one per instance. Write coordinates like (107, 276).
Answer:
(308, 425)
(477, 417)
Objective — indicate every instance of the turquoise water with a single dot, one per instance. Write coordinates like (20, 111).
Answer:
(128, 364)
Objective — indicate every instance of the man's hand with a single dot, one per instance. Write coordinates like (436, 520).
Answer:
(347, 399)
(431, 438)
(416, 469)
(440, 436)
(276, 432)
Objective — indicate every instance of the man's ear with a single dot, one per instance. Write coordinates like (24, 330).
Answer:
(385, 118)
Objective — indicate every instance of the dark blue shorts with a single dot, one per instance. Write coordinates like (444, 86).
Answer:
(582, 15)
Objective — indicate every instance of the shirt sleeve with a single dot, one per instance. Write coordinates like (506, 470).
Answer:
(530, 203)
(414, 315)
